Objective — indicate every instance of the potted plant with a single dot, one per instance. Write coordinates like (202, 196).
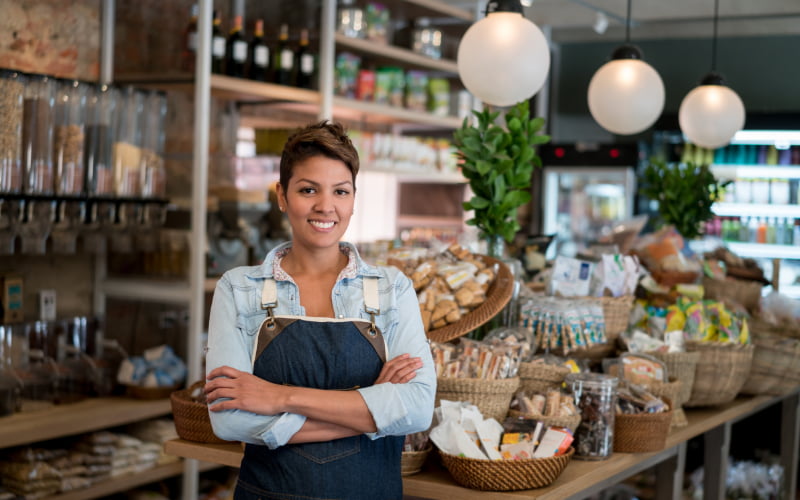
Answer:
(685, 193)
(498, 162)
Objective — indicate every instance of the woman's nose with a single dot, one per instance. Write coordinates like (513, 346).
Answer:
(324, 203)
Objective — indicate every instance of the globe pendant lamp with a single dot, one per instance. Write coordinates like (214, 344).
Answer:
(712, 113)
(626, 95)
(503, 58)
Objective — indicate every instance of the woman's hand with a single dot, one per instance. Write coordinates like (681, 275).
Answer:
(399, 370)
(245, 392)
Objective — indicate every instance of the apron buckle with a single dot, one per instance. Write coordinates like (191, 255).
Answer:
(270, 322)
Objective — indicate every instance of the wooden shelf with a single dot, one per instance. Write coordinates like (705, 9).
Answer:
(129, 481)
(374, 112)
(580, 478)
(85, 416)
(437, 7)
(396, 54)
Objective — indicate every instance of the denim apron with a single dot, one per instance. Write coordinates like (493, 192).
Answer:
(331, 354)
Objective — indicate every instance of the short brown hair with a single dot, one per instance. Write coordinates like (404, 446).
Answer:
(325, 138)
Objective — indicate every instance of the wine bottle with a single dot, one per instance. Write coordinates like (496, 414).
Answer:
(236, 50)
(283, 60)
(258, 54)
(305, 62)
(190, 42)
(217, 46)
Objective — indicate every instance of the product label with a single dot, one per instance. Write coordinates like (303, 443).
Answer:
(261, 56)
(307, 64)
(240, 51)
(287, 61)
(218, 47)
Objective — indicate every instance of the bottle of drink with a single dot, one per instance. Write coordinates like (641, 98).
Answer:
(305, 62)
(744, 230)
(726, 229)
(796, 233)
(283, 58)
(258, 54)
(236, 50)
(771, 227)
(217, 46)
(780, 232)
(761, 231)
(736, 229)
(190, 42)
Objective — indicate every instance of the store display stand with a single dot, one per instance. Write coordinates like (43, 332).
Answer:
(582, 478)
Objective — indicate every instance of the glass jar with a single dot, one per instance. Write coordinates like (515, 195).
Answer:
(69, 137)
(12, 90)
(100, 107)
(426, 40)
(10, 384)
(350, 20)
(152, 169)
(596, 398)
(38, 114)
(127, 148)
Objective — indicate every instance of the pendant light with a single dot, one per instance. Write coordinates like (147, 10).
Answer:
(503, 58)
(712, 113)
(626, 95)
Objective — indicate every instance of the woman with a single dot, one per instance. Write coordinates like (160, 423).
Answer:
(317, 360)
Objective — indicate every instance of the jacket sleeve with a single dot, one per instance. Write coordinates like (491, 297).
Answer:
(400, 409)
(230, 343)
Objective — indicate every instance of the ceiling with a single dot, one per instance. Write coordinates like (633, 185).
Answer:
(573, 20)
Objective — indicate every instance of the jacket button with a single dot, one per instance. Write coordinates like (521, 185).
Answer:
(341, 316)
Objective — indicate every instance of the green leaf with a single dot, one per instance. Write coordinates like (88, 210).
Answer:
(483, 167)
(478, 202)
(499, 189)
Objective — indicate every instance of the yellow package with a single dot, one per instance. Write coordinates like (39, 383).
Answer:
(676, 319)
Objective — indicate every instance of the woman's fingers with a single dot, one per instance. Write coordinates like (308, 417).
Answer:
(399, 370)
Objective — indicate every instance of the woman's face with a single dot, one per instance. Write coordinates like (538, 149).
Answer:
(318, 201)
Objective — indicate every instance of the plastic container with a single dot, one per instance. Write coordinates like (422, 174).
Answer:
(152, 169)
(100, 108)
(596, 398)
(350, 20)
(127, 148)
(426, 40)
(12, 90)
(69, 139)
(38, 116)
(10, 384)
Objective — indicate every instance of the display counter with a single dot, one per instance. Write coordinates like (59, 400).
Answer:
(582, 478)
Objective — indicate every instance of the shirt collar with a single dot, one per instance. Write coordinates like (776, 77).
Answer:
(271, 267)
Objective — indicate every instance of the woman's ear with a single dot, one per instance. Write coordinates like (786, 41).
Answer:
(281, 194)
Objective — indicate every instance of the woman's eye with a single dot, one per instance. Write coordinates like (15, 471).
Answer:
(307, 190)
(342, 192)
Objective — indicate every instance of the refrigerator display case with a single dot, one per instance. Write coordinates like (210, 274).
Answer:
(586, 191)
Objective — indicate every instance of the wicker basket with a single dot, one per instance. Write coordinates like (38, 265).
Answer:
(571, 422)
(669, 390)
(191, 416)
(492, 397)
(774, 368)
(538, 378)
(642, 432)
(721, 372)
(682, 366)
(497, 298)
(616, 314)
(733, 292)
(411, 461)
(505, 475)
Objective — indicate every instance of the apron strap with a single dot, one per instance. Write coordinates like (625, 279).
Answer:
(371, 301)
(269, 300)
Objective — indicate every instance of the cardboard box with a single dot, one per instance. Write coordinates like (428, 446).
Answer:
(11, 299)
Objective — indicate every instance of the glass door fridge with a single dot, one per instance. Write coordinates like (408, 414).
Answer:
(586, 192)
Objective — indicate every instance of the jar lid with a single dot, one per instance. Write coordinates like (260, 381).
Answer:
(592, 380)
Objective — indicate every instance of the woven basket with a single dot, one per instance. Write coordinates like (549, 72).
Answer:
(669, 390)
(497, 298)
(733, 292)
(642, 432)
(721, 372)
(571, 422)
(411, 461)
(775, 361)
(191, 416)
(538, 378)
(505, 475)
(492, 397)
(616, 314)
(681, 366)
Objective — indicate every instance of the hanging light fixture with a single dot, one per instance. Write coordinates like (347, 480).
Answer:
(626, 95)
(712, 113)
(503, 58)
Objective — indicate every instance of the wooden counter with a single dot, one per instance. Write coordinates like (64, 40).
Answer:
(580, 477)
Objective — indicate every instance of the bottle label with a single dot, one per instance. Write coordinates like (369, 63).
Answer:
(261, 56)
(307, 64)
(240, 51)
(192, 43)
(218, 47)
(286, 59)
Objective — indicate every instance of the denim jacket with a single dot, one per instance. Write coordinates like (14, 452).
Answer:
(236, 316)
